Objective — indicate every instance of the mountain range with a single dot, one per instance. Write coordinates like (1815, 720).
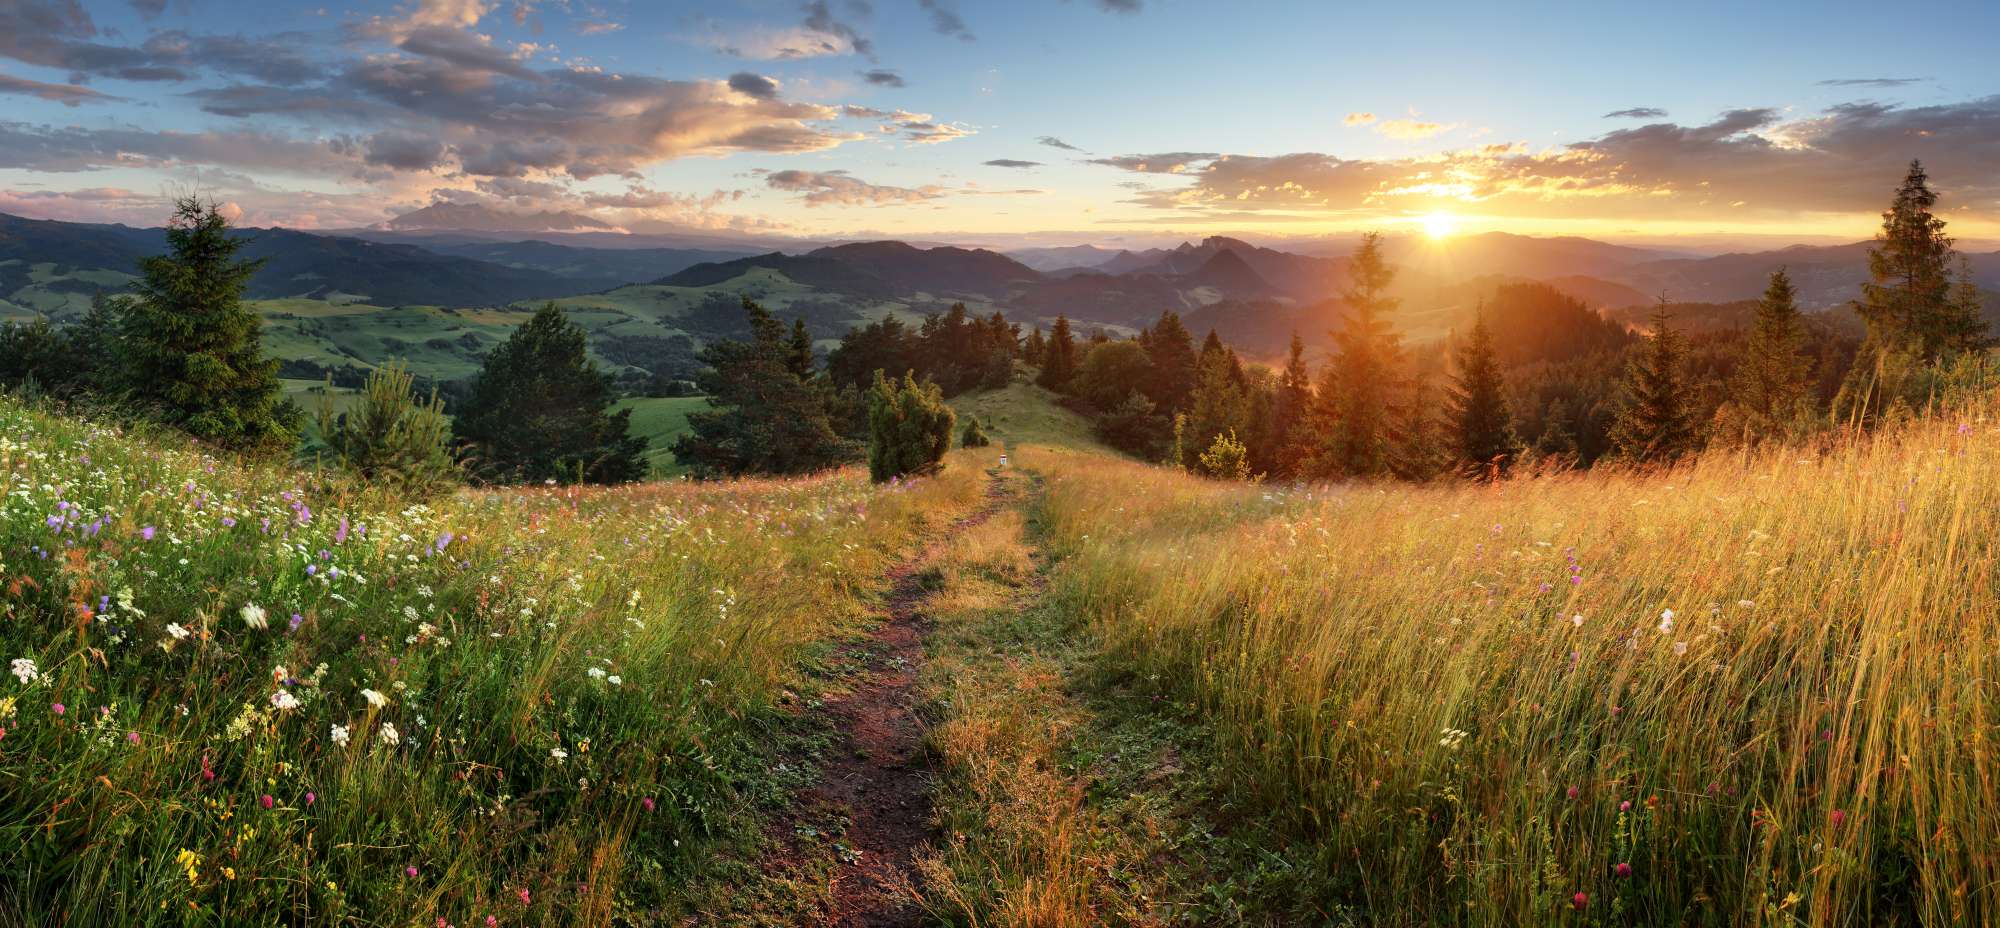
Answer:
(1246, 291)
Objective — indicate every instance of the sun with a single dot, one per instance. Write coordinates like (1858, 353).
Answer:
(1439, 225)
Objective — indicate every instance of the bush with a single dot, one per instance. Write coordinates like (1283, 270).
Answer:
(909, 428)
(1226, 458)
(973, 436)
(390, 439)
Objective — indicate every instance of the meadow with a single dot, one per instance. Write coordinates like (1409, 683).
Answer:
(235, 688)
(1752, 690)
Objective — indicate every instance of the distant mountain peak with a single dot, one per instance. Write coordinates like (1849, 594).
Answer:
(474, 217)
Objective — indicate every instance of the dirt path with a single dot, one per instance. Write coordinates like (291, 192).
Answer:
(877, 772)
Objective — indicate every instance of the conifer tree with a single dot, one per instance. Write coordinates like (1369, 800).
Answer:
(1558, 439)
(766, 418)
(1034, 351)
(1218, 405)
(1420, 450)
(1771, 389)
(192, 353)
(1482, 426)
(1368, 355)
(1289, 407)
(1656, 423)
(1059, 361)
(1908, 303)
(974, 436)
(1175, 370)
(390, 438)
(541, 410)
(800, 356)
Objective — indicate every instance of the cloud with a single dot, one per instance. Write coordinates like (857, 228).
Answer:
(404, 152)
(74, 149)
(598, 27)
(945, 19)
(149, 8)
(1358, 119)
(65, 94)
(820, 20)
(1011, 163)
(1846, 159)
(1412, 128)
(462, 14)
(754, 85)
(883, 78)
(1872, 81)
(61, 34)
(1175, 162)
(838, 188)
(1053, 142)
(1120, 6)
(1637, 112)
(469, 52)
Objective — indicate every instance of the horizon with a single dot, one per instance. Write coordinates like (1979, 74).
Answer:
(950, 122)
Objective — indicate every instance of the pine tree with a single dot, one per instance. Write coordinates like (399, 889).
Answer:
(389, 438)
(766, 418)
(800, 356)
(193, 354)
(1770, 392)
(1908, 304)
(909, 428)
(1420, 450)
(1558, 439)
(1175, 370)
(1656, 423)
(1036, 348)
(1217, 406)
(1059, 362)
(1483, 427)
(1369, 353)
(1289, 408)
(541, 410)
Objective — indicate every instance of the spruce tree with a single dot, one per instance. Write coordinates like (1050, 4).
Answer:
(540, 409)
(1289, 406)
(1482, 426)
(1036, 348)
(193, 354)
(1656, 423)
(1907, 304)
(1175, 368)
(1420, 450)
(1217, 406)
(800, 356)
(1059, 360)
(765, 419)
(1368, 355)
(1770, 391)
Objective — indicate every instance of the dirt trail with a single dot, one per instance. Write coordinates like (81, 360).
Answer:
(877, 772)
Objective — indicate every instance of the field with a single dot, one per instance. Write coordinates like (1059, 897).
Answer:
(1747, 691)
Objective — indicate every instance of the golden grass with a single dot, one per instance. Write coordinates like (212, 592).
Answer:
(1472, 699)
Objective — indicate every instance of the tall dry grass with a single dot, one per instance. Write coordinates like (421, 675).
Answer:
(1751, 691)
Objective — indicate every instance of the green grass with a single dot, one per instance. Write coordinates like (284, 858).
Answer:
(574, 688)
(661, 419)
(1022, 413)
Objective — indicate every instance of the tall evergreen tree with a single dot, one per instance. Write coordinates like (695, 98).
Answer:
(1907, 304)
(799, 357)
(1289, 406)
(1420, 449)
(766, 418)
(193, 353)
(1175, 370)
(1036, 348)
(1059, 361)
(540, 409)
(1482, 425)
(1656, 423)
(1368, 356)
(1771, 390)
(1217, 407)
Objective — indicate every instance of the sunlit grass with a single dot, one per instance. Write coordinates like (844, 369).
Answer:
(239, 692)
(1752, 691)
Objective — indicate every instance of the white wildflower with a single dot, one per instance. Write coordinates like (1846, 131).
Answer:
(615, 680)
(175, 629)
(1666, 621)
(558, 753)
(25, 670)
(339, 734)
(253, 616)
(596, 673)
(390, 736)
(283, 699)
(375, 699)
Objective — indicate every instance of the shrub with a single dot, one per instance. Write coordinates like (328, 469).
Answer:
(1226, 458)
(973, 436)
(390, 439)
(909, 427)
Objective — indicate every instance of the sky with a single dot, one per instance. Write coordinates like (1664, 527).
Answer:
(1116, 122)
